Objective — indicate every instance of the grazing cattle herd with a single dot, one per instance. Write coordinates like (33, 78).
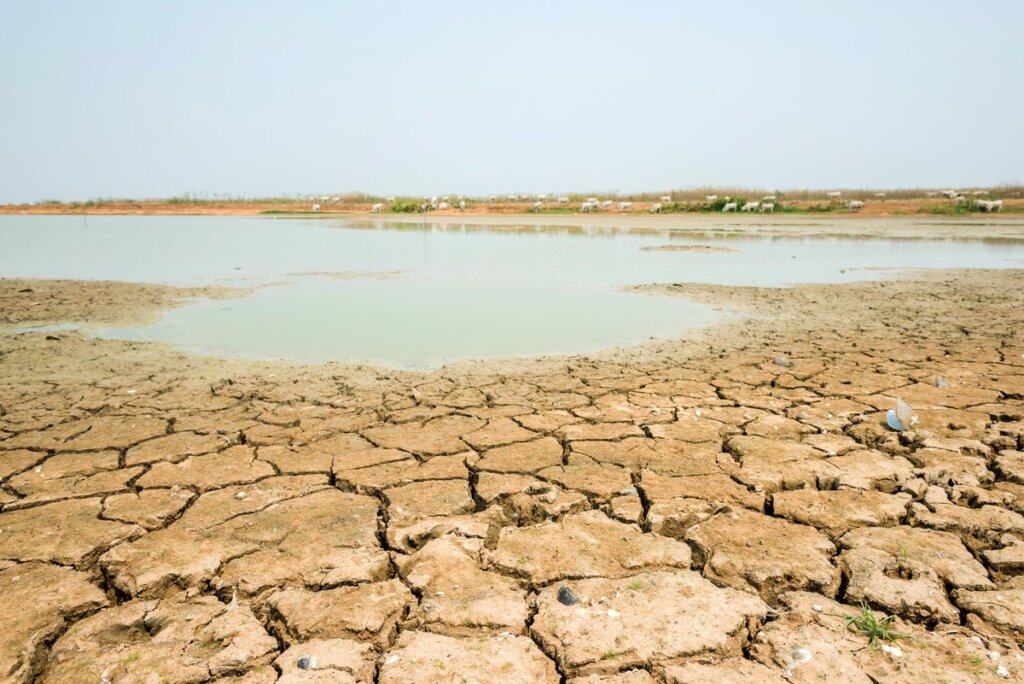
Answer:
(974, 200)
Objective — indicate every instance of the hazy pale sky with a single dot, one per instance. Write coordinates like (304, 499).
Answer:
(159, 98)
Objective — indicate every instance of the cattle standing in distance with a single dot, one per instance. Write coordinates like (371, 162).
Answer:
(316, 208)
(729, 206)
(835, 194)
(665, 198)
(377, 208)
(988, 206)
(656, 208)
(750, 206)
(854, 205)
(767, 207)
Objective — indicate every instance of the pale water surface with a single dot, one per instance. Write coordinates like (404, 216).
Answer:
(417, 296)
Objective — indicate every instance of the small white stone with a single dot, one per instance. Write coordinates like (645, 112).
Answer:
(391, 659)
(612, 613)
(993, 655)
(240, 495)
(131, 391)
(894, 651)
(1003, 672)
(582, 612)
(816, 608)
(696, 412)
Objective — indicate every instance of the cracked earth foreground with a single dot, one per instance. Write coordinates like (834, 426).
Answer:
(703, 510)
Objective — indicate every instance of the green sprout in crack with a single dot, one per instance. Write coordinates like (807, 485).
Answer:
(877, 631)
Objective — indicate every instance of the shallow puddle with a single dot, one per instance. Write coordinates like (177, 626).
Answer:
(417, 295)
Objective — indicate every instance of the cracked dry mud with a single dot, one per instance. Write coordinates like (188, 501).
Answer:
(708, 509)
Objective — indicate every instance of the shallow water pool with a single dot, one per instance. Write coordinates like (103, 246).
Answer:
(418, 295)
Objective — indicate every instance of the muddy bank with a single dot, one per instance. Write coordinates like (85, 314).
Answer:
(692, 510)
(32, 302)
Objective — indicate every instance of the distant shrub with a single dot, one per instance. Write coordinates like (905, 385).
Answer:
(405, 207)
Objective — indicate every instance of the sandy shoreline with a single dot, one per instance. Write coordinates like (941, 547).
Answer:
(687, 510)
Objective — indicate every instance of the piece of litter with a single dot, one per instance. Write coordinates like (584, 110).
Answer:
(901, 418)
(307, 663)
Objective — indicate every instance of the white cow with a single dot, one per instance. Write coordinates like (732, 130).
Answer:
(537, 206)
(710, 198)
(879, 194)
(563, 200)
(729, 206)
(834, 194)
(316, 208)
(666, 198)
(389, 200)
(985, 205)
(541, 198)
(444, 205)
(462, 204)
(588, 206)
(767, 207)
(606, 204)
(624, 205)
(980, 192)
(656, 208)
(376, 208)
(750, 206)
(855, 204)
(768, 198)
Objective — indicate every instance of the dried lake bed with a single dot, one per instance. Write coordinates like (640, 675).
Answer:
(706, 506)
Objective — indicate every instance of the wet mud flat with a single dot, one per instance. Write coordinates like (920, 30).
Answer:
(711, 508)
